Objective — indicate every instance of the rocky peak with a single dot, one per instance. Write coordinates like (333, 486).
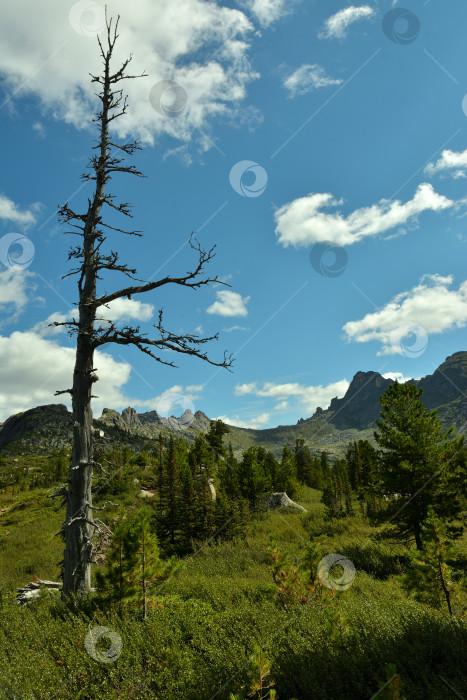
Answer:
(360, 406)
(447, 383)
(35, 420)
(130, 417)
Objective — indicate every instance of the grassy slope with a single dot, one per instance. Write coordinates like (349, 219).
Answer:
(209, 616)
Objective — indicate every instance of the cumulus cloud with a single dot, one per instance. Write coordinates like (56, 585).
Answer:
(335, 27)
(253, 423)
(307, 78)
(125, 310)
(229, 304)
(235, 328)
(116, 310)
(452, 161)
(51, 55)
(33, 367)
(266, 11)
(44, 328)
(14, 284)
(305, 221)
(397, 376)
(11, 212)
(309, 397)
(431, 307)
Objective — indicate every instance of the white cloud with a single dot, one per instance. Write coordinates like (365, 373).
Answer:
(13, 291)
(9, 211)
(235, 328)
(336, 26)
(430, 306)
(42, 327)
(117, 310)
(38, 127)
(397, 376)
(195, 388)
(126, 309)
(242, 389)
(229, 304)
(32, 368)
(310, 397)
(281, 406)
(304, 221)
(267, 11)
(453, 161)
(307, 78)
(254, 423)
(47, 58)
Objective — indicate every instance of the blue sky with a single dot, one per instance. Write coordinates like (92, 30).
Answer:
(320, 145)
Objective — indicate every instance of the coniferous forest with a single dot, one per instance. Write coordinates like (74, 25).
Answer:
(183, 558)
(201, 590)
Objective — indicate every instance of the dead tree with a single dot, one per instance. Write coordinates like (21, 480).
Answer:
(93, 331)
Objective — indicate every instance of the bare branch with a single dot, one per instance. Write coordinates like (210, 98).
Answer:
(184, 344)
(188, 280)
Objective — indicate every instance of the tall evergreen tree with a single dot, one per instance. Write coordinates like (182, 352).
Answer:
(417, 459)
(215, 439)
(254, 482)
(117, 583)
(168, 506)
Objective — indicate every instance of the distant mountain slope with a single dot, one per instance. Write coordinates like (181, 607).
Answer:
(352, 417)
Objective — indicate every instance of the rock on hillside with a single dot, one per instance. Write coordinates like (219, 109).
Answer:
(360, 406)
(49, 424)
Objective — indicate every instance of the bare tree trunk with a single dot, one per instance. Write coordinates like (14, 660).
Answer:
(78, 530)
(94, 331)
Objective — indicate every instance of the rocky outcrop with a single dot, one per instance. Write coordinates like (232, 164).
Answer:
(360, 407)
(50, 423)
(281, 500)
(447, 383)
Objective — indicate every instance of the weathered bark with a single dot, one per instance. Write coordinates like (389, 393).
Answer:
(92, 331)
(79, 527)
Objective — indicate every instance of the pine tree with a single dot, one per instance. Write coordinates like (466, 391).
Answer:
(429, 576)
(150, 569)
(168, 506)
(215, 439)
(201, 461)
(133, 564)
(254, 482)
(117, 583)
(286, 478)
(416, 459)
(228, 475)
(304, 464)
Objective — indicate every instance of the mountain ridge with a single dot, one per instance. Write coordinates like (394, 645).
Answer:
(351, 417)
